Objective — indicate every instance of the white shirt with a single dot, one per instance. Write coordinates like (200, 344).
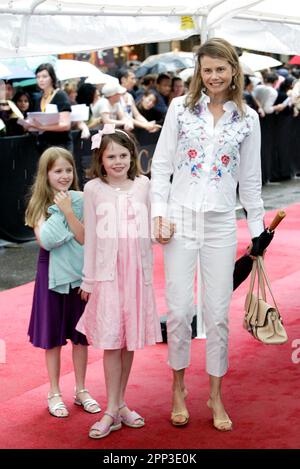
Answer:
(127, 102)
(266, 95)
(208, 161)
(103, 106)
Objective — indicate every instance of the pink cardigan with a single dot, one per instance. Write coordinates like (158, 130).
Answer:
(103, 209)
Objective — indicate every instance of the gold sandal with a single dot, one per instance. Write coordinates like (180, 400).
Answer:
(182, 413)
(223, 425)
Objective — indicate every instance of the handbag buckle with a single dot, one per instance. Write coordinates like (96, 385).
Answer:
(273, 316)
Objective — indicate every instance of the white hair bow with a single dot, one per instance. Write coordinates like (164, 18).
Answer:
(96, 139)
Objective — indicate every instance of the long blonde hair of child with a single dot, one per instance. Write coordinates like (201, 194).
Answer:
(41, 194)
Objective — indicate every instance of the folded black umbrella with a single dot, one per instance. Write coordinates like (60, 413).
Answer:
(243, 265)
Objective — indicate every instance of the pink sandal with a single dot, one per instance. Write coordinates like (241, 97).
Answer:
(130, 418)
(100, 430)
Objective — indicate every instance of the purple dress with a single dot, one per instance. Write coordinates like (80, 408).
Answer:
(54, 315)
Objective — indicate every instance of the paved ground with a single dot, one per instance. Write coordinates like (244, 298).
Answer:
(18, 261)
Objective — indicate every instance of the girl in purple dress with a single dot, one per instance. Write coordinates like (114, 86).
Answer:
(55, 212)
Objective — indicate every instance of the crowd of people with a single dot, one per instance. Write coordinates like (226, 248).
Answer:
(126, 105)
(137, 105)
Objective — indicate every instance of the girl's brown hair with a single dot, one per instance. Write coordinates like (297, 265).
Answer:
(41, 194)
(217, 48)
(121, 138)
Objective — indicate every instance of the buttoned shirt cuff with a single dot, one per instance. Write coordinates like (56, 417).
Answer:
(255, 228)
(159, 209)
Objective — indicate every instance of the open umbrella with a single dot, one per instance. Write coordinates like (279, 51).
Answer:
(4, 70)
(186, 73)
(243, 265)
(101, 78)
(17, 72)
(67, 69)
(258, 62)
(295, 60)
(167, 62)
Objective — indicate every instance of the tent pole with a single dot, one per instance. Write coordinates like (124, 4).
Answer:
(204, 30)
(20, 36)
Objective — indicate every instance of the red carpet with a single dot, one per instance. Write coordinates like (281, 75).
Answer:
(261, 389)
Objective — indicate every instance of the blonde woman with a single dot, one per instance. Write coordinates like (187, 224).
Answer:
(55, 211)
(209, 143)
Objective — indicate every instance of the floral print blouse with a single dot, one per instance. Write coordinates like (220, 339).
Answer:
(208, 160)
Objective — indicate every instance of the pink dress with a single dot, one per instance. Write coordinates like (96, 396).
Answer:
(122, 312)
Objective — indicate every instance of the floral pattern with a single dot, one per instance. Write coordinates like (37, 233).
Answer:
(217, 153)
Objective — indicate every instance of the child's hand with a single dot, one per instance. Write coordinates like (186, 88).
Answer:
(84, 295)
(64, 202)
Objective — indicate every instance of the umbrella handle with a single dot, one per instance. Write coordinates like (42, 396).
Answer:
(276, 220)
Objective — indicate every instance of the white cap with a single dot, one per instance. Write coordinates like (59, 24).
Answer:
(110, 89)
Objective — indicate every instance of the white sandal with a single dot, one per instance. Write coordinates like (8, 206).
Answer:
(88, 403)
(54, 409)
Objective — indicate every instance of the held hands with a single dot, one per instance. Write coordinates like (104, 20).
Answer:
(64, 202)
(84, 295)
(128, 125)
(163, 230)
(152, 127)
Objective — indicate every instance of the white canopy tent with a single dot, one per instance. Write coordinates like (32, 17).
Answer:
(36, 27)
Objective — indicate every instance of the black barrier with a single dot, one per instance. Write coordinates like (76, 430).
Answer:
(18, 162)
(147, 142)
(280, 150)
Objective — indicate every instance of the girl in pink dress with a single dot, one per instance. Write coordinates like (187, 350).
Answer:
(120, 316)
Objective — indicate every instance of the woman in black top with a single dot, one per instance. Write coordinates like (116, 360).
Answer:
(53, 134)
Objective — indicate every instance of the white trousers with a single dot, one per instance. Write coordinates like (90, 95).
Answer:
(216, 246)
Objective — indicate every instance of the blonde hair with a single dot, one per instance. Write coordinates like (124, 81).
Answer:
(217, 48)
(70, 87)
(41, 193)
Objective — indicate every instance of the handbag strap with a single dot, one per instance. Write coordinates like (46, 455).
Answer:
(265, 279)
(260, 282)
(255, 271)
(253, 275)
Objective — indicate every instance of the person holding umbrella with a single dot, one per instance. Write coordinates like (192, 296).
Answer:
(209, 143)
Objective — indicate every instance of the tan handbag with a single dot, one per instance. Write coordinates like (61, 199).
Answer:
(263, 320)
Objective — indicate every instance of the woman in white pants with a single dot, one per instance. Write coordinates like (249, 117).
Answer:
(210, 142)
